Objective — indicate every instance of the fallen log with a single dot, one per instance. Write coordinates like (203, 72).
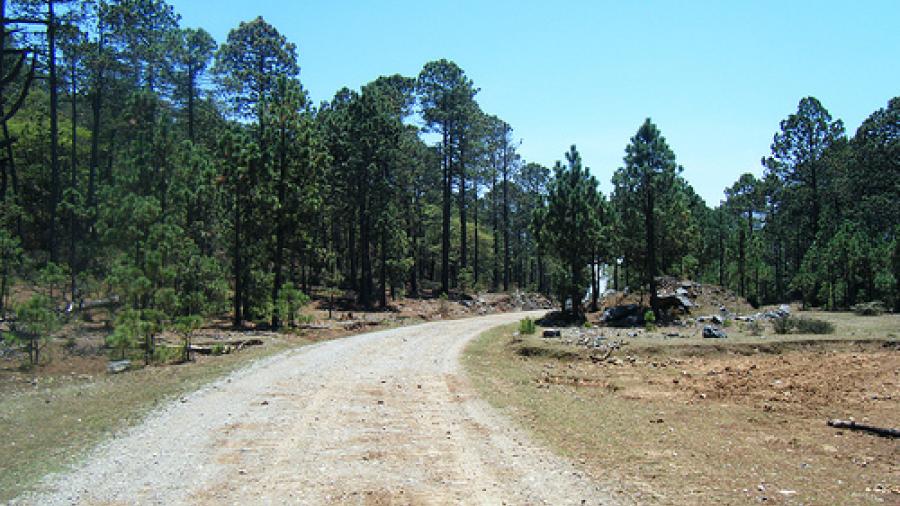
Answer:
(850, 424)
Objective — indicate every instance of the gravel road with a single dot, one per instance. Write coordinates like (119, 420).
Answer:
(379, 418)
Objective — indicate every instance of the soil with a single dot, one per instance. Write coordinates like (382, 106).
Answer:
(694, 421)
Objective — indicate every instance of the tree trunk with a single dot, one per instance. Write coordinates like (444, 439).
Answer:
(495, 225)
(383, 274)
(505, 212)
(414, 244)
(650, 223)
(73, 270)
(237, 263)
(351, 247)
(595, 280)
(96, 102)
(475, 239)
(445, 217)
(279, 225)
(741, 260)
(54, 130)
(365, 292)
(463, 229)
(721, 250)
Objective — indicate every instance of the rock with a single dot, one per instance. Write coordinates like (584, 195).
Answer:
(552, 333)
(118, 366)
(713, 332)
(624, 315)
(718, 320)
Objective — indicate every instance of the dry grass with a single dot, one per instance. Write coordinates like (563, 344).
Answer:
(690, 421)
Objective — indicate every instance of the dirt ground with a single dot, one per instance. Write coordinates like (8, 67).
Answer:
(51, 414)
(693, 421)
(378, 418)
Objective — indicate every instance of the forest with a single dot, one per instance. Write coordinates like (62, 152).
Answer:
(183, 177)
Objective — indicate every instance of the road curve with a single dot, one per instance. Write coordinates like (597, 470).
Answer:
(380, 418)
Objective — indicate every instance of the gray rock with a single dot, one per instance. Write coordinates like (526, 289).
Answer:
(713, 332)
(118, 366)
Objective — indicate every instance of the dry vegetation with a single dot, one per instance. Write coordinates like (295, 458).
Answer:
(693, 421)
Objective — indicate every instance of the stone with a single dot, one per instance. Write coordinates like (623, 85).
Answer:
(711, 332)
(118, 366)
(552, 333)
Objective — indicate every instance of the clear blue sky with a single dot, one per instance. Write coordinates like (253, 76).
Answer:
(716, 76)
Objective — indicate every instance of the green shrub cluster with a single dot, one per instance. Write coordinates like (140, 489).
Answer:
(527, 326)
(874, 308)
(802, 326)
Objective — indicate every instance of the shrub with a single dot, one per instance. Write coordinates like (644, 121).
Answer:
(443, 306)
(802, 326)
(186, 325)
(218, 349)
(128, 331)
(166, 354)
(526, 326)
(35, 320)
(650, 320)
(874, 308)
(754, 328)
(813, 326)
(290, 300)
(783, 325)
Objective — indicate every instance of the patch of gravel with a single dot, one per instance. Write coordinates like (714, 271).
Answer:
(379, 418)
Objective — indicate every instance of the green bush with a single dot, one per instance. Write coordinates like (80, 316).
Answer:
(218, 349)
(167, 354)
(290, 300)
(650, 320)
(754, 328)
(526, 326)
(443, 306)
(813, 326)
(128, 331)
(783, 325)
(35, 320)
(874, 308)
(802, 326)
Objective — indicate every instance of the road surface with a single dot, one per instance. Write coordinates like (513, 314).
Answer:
(380, 418)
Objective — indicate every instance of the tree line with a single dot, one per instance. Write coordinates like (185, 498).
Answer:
(143, 160)
(187, 177)
(820, 226)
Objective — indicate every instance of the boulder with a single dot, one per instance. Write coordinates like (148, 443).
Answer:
(711, 332)
(624, 315)
(118, 366)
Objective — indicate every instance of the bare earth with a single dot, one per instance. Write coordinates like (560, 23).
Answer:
(378, 418)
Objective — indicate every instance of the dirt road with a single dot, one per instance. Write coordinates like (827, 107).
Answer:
(378, 418)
